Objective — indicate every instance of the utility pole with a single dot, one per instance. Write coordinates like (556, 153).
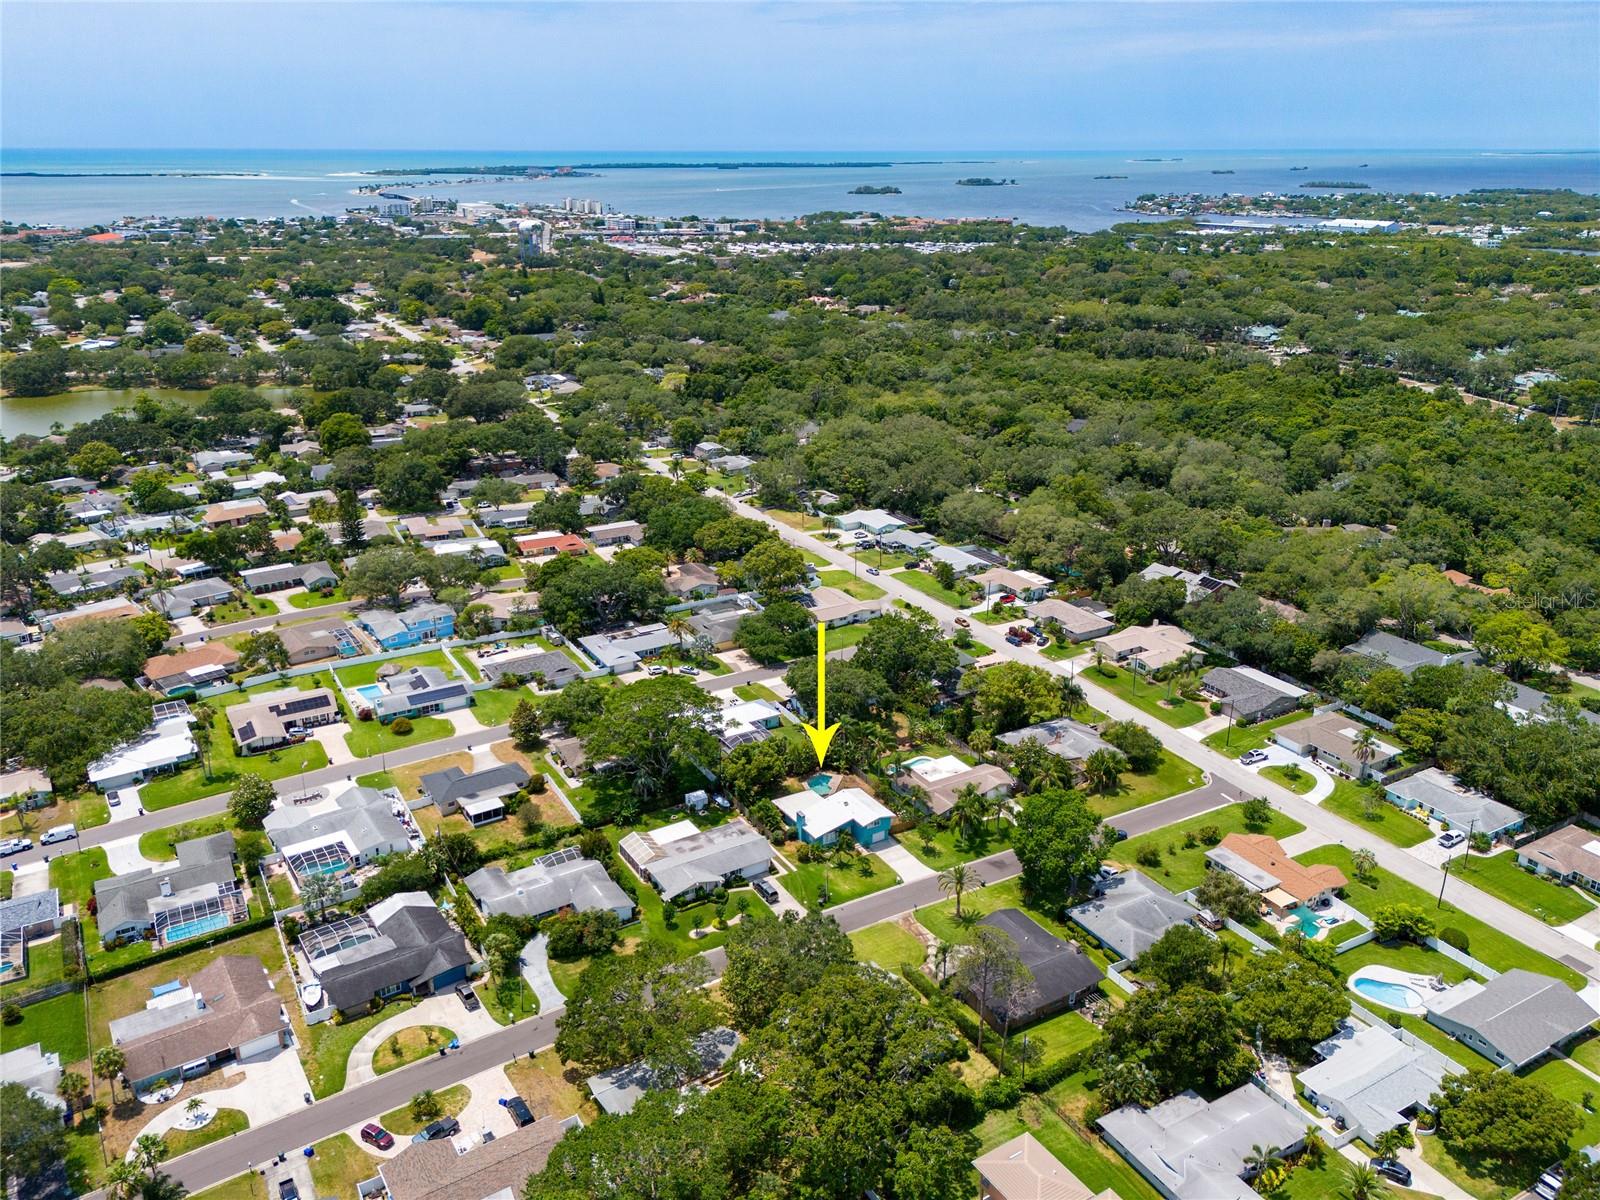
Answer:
(1470, 826)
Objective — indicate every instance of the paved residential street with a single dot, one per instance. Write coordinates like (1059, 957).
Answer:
(287, 1135)
(1224, 772)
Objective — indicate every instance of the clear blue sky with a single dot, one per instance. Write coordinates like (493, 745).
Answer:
(799, 76)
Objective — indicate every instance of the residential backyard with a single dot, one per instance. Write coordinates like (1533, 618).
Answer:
(364, 673)
(889, 944)
(56, 1024)
(1502, 951)
(1047, 1117)
(1176, 856)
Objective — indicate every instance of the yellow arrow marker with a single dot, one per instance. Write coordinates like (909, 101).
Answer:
(821, 734)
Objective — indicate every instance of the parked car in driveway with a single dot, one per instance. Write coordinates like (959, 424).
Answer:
(1251, 757)
(519, 1110)
(1451, 838)
(469, 998)
(655, 669)
(377, 1135)
(766, 891)
(1394, 1169)
(688, 670)
(444, 1127)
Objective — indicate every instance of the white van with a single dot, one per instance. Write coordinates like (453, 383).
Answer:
(61, 833)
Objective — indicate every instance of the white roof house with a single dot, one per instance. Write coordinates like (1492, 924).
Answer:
(163, 746)
(1192, 1149)
(747, 721)
(823, 816)
(1369, 1079)
(682, 859)
(873, 520)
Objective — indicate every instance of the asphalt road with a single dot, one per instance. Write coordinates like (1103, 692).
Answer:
(288, 1135)
(116, 831)
(251, 624)
(1222, 771)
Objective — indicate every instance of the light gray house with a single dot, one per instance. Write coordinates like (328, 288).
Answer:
(1513, 1019)
(525, 662)
(683, 860)
(1405, 656)
(555, 883)
(1130, 913)
(1193, 1149)
(1371, 1081)
(1248, 695)
(1444, 799)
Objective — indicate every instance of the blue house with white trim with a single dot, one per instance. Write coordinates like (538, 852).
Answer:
(821, 819)
(423, 622)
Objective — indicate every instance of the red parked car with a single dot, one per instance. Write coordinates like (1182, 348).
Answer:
(377, 1135)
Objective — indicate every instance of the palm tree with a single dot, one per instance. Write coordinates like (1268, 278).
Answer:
(679, 627)
(969, 799)
(955, 880)
(969, 812)
(123, 1180)
(1071, 692)
(941, 955)
(1052, 771)
(202, 729)
(1366, 749)
(1263, 1158)
(1102, 771)
(1361, 1182)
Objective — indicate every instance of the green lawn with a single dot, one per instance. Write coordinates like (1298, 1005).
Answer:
(845, 879)
(368, 739)
(859, 586)
(400, 1123)
(159, 844)
(1500, 876)
(1057, 1037)
(1502, 951)
(1328, 1180)
(1003, 614)
(888, 945)
(317, 599)
(74, 875)
(1183, 866)
(493, 706)
(327, 1054)
(57, 1025)
(338, 1165)
(1059, 651)
(1294, 778)
(932, 588)
(951, 845)
(846, 635)
(243, 610)
(940, 919)
(409, 1045)
(756, 691)
(1173, 776)
(364, 673)
(884, 560)
(226, 1123)
(678, 935)
(1148, 696)
(1423, 961)
(1094, 1163)
(1248, 737)
(248, 1186)
(1388, 821)
(675, 657)
(227, 763)
(45, 964)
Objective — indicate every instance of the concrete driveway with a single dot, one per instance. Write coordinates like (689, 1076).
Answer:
(1277, 756)
(536, 970)
(902, 862)
(265, 1088)
(445, 1011)
(123, 856)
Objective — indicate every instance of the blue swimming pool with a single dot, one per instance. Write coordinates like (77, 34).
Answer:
(184, 930)
(7, 967)
(1307, 920)
(819, 784)
(1390, 995)
(370, 692)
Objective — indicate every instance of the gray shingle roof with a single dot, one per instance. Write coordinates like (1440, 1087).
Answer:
(579, 883)
(1058, 969)
(1519, 1013)
(1131, 913)
(453, 785)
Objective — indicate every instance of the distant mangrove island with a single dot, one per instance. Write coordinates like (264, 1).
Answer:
(1341, 184)
(520, 168)
(868, 189)
(984, 181)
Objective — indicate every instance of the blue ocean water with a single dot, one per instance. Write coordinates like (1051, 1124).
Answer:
(1061, 188)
